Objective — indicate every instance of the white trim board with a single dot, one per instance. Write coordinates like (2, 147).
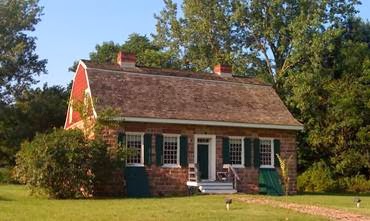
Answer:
(211, 154)
(208, 123)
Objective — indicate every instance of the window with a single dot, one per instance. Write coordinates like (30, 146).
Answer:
(266, 152)
(171, 153)
(236, 151)
(135, 144)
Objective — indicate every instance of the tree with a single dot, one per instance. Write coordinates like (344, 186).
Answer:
(18, 62)
(146, 52)
(257, 37)
(35, 110)
(206, 35)
(332, 97)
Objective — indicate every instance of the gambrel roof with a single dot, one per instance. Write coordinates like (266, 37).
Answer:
(171, 96)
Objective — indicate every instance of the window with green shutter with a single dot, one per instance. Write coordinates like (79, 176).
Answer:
(247, 152)
(256, 153)
(171, 150)
(276, 151)
(236, 151)
(121, 139)
(159, 149)
(267, 156)
(147, 149)
(184, 151)
(225, 150)
(135, 144)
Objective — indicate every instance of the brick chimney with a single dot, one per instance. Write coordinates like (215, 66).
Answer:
(223, 70)
(126, 60)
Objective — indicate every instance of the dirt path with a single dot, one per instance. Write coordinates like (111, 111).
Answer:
(333, 214)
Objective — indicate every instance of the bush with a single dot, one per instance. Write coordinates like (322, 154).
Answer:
(61, 164)
(5, 175)
(317, 178)
(356, 184)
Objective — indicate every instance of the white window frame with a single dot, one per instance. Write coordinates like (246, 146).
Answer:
(141, 164)
(272, 165)
(168, 165)
(242, 154)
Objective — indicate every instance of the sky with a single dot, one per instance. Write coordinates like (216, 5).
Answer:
(70, 29)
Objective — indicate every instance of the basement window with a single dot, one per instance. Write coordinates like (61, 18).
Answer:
(171, 150)
(236, 151)
(267, 152)
(135, 146)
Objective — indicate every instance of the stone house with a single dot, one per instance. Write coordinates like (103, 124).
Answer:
(214, 132)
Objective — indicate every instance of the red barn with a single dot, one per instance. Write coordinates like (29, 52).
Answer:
(214, 132)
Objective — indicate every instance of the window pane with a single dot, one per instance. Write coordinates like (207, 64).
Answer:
(170, 146)
(236, 151)
(266, 151)
(134, 144)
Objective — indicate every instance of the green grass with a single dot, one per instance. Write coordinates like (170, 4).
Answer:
(16, 204)
(338, 201)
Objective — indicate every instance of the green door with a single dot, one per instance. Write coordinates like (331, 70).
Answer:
(203, 160)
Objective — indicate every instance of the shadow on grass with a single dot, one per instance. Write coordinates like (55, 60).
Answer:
(5, 199)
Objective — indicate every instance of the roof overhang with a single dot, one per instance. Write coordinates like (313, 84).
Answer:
(207, 123)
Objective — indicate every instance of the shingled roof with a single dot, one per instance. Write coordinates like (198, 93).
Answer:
(163, 94)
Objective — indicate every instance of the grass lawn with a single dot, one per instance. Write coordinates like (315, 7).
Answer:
(15, 204)
(343, 202)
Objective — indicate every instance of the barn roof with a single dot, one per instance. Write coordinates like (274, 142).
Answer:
(164, 95)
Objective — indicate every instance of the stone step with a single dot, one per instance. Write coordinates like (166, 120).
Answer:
(219, 191)
(213, 183)
(216, 187)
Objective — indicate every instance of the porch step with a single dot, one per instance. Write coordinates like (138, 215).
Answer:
(216, 187)
(219, 191)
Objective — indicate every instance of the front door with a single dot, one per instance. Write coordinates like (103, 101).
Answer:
(203, 160)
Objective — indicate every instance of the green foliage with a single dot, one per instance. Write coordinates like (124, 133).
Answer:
(146, 52)
(35, 110)
(6, 175)
(18, 62)
(331, 94)
(64, 164)
(206, 34)
(317, 178)
(57, 163)
(355, 184)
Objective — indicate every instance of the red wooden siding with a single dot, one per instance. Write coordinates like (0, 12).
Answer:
(77, 94)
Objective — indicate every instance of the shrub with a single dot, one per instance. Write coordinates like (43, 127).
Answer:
(5, 175)
(317, 178)
(356, 184)
(62, 164)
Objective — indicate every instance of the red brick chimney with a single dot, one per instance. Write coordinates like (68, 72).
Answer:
(223, 70)
(126, 60)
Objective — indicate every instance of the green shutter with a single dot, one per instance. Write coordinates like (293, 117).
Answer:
(256, 150)
(247, 152)
(184, 151)
(159, 149)
(225, 150)
(276, 151)
(147, 149)
(121, 139)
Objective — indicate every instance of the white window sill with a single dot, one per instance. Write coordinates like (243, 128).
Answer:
(225, 166)
(171, 166)
(135, 165)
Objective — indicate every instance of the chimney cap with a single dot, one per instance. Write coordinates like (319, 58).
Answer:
(126, 60)
(223, 70)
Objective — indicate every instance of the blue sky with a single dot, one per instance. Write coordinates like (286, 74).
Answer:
(70, 29)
